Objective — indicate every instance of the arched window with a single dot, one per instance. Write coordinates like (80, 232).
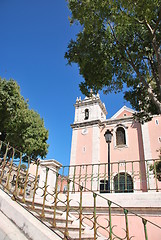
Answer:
(123, 183)
(86, 114)
(120, 136)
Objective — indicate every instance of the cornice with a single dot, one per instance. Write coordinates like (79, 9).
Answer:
(85, 124)
(105, 123)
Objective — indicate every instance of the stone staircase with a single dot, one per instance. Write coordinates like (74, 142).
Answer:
(59, 226)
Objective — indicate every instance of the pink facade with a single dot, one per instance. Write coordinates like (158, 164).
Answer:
(132, 148)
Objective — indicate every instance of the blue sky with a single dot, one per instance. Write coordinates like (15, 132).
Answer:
(34, 35)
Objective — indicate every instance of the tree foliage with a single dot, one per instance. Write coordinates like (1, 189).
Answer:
(119, 45)
(21, 127)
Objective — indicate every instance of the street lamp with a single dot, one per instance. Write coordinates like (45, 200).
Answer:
(108, 138)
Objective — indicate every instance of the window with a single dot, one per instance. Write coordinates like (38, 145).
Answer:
(120, 136)
(123, 183)
(86, 114)
(156, 122)
(103, 186)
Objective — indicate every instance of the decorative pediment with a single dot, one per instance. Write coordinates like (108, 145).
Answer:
(123, 113)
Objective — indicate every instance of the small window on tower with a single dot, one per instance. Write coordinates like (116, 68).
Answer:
(86, 114)
(156, 122)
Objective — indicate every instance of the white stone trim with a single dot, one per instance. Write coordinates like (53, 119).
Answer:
(146, 141)
(96, 145)
(73, 147)
(95, 152)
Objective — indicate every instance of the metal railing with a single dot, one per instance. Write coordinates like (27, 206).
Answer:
(67, 207)
(125, 176)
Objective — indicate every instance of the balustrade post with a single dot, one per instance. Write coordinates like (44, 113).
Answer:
(66, 233)
(145, 229)
(94, 217)
(80, 174)
(10, 170)
(80, 213)
(92, 179)
(45, 190)
(86, 176)
(73, 185)
(155, 173)
(110, 222)
(17, 179)
(26, 180)
(55, 200)
(127, 226)
(35, 184)
(4, 163)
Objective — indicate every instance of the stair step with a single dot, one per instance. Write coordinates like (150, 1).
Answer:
(70, 228)
(73, 228)
(59, 220)
(37, 204)
(82, 237)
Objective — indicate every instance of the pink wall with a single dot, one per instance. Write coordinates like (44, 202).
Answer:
(84, 147)
(155, 133)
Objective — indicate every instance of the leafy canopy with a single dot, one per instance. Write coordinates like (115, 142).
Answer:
(21, 127)
(119, 45)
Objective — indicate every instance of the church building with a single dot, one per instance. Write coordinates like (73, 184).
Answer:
(133, 152)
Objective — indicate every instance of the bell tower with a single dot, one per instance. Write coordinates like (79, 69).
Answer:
(89, 109)
(90, 113)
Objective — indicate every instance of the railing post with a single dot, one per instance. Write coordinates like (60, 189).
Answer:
(73, 187)
(17, 178)
(4, 163)
(94, 217)
(86, 176)
(147, 167)
(35, 185)
(80, 175)
(66, 233)
(145, 229)
(62, 177)
(10, 170)
(80, 213)
(111, 182)
(127, 226)
(155, 173)
(110, 222)
(118, 179)
(55, 200)
(125, 178)
(45, 189)
(98, 178)
(92, 179)
(26, 180)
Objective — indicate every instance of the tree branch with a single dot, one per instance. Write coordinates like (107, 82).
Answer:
(142, 79)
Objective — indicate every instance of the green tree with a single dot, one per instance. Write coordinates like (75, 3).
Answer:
(119, 45)
(21, 127)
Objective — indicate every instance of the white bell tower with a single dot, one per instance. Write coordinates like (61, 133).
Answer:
(90, 113)
(89, 109)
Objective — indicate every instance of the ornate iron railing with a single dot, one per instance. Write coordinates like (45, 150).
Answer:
(74, 211)
(125, 176)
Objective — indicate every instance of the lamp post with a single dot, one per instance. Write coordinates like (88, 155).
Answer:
(108, 138)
